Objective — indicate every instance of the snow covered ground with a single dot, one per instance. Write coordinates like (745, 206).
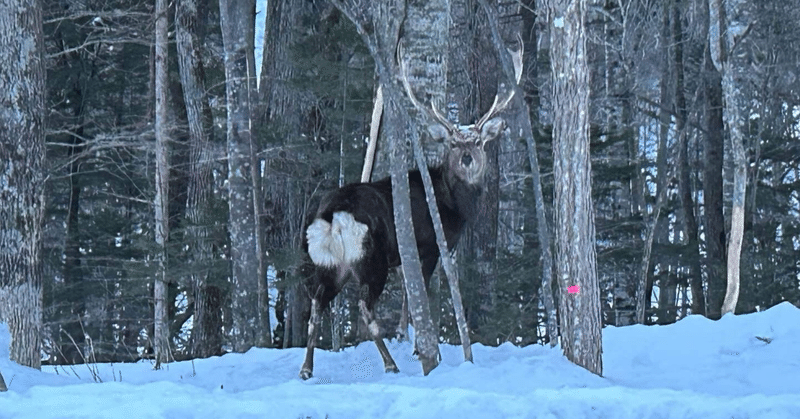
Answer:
(696, 368)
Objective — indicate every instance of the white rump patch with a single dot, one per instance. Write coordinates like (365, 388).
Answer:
(374, 329)
(339, 242)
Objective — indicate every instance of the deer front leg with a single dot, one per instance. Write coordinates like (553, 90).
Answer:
(375, 331)
(307, 371)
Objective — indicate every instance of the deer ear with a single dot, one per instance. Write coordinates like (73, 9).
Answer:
(438, 132)
(491, 129)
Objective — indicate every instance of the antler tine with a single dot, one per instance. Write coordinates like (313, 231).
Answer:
(499, 105)
(432, 113)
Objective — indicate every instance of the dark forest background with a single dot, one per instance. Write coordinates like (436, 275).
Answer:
(660, 159)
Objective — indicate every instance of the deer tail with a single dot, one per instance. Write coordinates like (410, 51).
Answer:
(336, 243)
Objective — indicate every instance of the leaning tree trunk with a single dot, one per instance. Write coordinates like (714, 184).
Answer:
(576, 265)
(382, 45)
(206, 335)
(426, 30)
(22, 150)
(529, 120)
(236, 19)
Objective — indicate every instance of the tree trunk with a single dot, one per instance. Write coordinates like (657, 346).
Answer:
(382, 46)
(528, 119)
(579, 315)
(684, 179)
(2, 384)
(71, 337)
(426, 30)
(160, 294)
(22, 151)
(236, 19)
(713, 221)
(285, 108)
(188, 30)
(426, 340)
(727, 62)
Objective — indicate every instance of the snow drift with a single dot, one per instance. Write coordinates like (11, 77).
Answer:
(738, 367)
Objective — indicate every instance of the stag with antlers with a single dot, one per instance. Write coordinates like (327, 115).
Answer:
(353, 232)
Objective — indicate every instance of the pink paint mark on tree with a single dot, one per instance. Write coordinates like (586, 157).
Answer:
(573, 289)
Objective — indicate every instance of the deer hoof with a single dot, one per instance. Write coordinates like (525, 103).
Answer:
(392, 368)
(305, 374)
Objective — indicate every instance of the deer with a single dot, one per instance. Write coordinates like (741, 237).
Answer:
(352, 235)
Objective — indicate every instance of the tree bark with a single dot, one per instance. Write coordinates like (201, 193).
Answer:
(579, 315)
(426, 30)
(237, 22)
(713, 221)
(726, 61)
(684, 176)
(528, 118)
(22, 151)
(160, 294)
(666, 289)
(382, 45)
(206, 338)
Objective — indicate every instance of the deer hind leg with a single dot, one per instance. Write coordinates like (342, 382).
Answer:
(369, 319)
(314, 324)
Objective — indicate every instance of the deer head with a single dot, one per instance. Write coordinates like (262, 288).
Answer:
(465, 156)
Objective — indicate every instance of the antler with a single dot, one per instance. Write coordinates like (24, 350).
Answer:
(432, 113)
(499, 105)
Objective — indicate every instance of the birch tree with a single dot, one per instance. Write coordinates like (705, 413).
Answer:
(579, 314)
(22, 151)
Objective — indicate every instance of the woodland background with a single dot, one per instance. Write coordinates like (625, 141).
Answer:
(660, 158)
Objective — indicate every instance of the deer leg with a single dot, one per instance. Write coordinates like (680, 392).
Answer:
(314, 324)
(375, 331)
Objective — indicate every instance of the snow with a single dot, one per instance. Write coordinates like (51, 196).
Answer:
(696, 368)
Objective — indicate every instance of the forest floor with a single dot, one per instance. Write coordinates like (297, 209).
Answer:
(739, 367)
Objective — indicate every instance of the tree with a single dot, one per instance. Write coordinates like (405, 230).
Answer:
(250, 316)
(160, 293)
(206, 326)
(728, 22)
(579, 313)
(288, 117)
(684, 169)
(382, 44)
(713, 147)
(22, 95)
